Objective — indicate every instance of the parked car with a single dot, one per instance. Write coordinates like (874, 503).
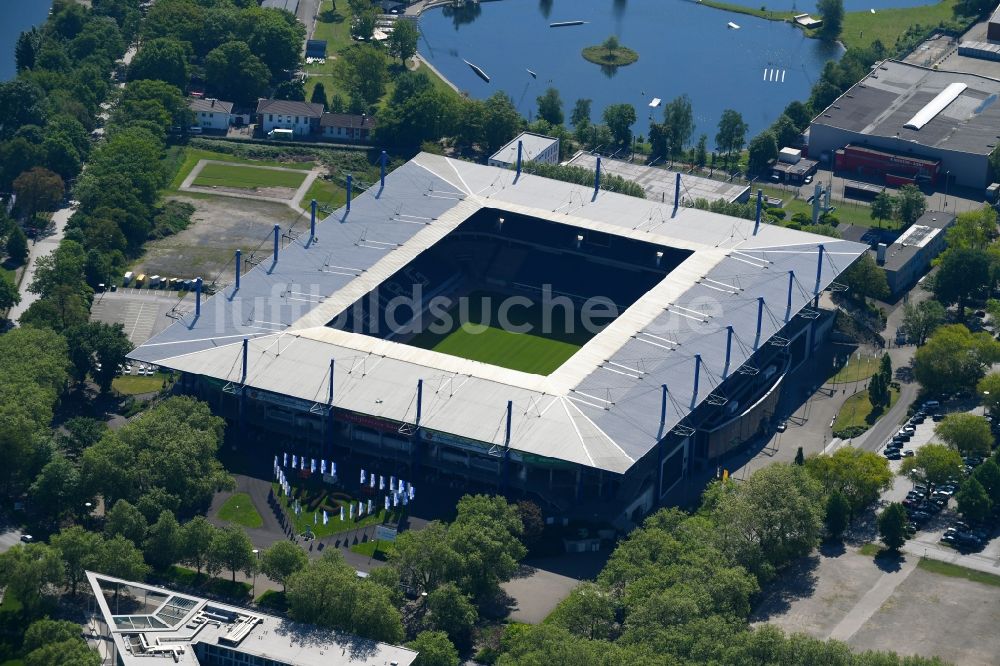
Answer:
(782, 426)
(908, 453)
(938, 416)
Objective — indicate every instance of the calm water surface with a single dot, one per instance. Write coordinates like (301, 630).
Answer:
(683, 48)
(15, 16)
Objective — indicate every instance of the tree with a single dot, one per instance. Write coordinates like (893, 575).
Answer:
(678, 120)
(9, 295)
(954, 359)
(762, 151)
(434, 649)
(611, 44)
(98, 349)
(486, 535)
(910, 204)
(969, 433)
(126, 520)
(293, 89)
(120, 558)
(282, 560)
(786, 132)
(329, 593)
(26, 50)
(21, 103)
(892, 526)
(319, 95)
(832, 13)
(17, 245)
(78, 550)
(858, 476)
(56, 490)
(550, 107)
(164, 541)
(988, 474)
(231, 549)
(701, 151)
(500, 121)
(934, 464)
(276, 39)
(234, 73)
(973, 230)
(57, 642)
(198, 535)
(30, 572)
(453, 613)
(922, 319)
(163, 59)
(773, 517)
(732, 133)
(883, 207)
(619, 119)
(865, 279)
(364, 72)
(580, 117)
(588, 611)
(533, 521)
(37, 190)
(838, 515)
(403, 40)
(973, 502)
(962, 274)
(425, 558)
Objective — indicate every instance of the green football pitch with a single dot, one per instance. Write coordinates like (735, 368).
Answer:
(532, 352)
(246, 177)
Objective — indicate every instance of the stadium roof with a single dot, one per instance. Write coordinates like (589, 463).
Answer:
(600, 408)
(894, 93)
(659, 184)
(152, 625)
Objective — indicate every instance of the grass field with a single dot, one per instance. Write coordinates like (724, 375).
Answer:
(528, 352)
(129, 385)
(246, 177)
(857, 411)
(887, 25)
(239, 509)
(327, 194)
(856, 369)
(184, 159)
(386, 549)
(955, 571)
(313, 494)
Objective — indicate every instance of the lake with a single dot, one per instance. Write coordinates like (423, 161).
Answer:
(15, 17)
(682, 47)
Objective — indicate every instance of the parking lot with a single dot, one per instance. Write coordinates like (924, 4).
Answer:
(142, 312)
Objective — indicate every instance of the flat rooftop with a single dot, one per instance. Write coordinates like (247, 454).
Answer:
(915, 238)
(894, 92)
(659, 183)
(151, 626)
(532, 145)
(598, 409)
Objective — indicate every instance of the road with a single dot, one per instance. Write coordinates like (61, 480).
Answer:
(41, 247)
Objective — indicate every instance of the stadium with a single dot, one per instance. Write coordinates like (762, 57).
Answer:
(507, 332)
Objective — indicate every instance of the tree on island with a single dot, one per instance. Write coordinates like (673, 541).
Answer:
(832, 13)
(612, 45)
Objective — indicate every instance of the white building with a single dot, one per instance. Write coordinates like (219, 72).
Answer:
(300, 117)
(534, 148)
(211, 114)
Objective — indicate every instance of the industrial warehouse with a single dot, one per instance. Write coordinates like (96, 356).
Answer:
(910, 124)
(701, 316)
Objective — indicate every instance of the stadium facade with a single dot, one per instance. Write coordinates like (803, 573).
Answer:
(704, 315)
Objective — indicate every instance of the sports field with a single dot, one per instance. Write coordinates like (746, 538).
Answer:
(246, 177)
(538, 351)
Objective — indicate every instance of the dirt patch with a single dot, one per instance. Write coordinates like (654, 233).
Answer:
(220, 226)
(285, 193)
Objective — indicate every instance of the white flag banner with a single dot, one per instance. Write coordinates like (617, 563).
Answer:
(371, 507)
(326, 517)
(333, 468)
(295, 461)
(315, 518)
(322, 467)
(386, 502)
(406, 499)
(312, 466)
(362, 477)
(372, 484)
(395, 499)
(285, 463)
(381, 482)
(303, 465)
(352, 511)
(410, 489)
(392, 483)
(341, 512)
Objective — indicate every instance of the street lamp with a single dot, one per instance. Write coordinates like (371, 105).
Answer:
(947, 177)
(986, 395)
(253, 587)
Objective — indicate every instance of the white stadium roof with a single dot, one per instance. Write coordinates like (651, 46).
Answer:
(600, 408)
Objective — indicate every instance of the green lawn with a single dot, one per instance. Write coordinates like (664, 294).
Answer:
(314, 496)
(385, 549)
(856, 369)
(528, 352)
(189, 157)
(327, 194)
(955, 571)
(887, 25)
(857, 411)
(848, 212)
(871, 549)
(239, 509)
(246, 177)
(759, 12)
(130, 385)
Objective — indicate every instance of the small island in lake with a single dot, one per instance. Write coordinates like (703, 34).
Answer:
(610, 53)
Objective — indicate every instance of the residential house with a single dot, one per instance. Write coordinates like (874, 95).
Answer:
(301, 117)
(347, 127)
(211, 114)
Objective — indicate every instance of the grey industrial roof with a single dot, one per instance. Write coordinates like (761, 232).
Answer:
(600, 408)
(914, 239)
(184, 620)
(531, 146)
(198, 105)
(893, 92)
(659, 183)
(289, 108)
